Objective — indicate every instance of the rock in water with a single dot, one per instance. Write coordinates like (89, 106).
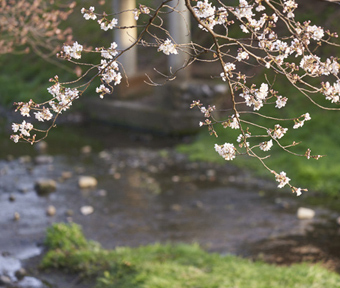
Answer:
(51, 210)
(87, 182)
(86, 210)
(16, 216)
(45, 186)
(305, 213)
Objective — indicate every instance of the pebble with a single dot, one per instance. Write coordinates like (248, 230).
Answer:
(338, 220)
(5, 280)
(45, 186)
(21, 273)
(41, 146)
(25, 159)
(102, 193)
(86, 149)
(16, 216)
(86, 210)
(176, 207)
(43, 160)
(66, 174)
(11, 198)
(69, 212)
(305, 213)
(87, 182)
(51, 210)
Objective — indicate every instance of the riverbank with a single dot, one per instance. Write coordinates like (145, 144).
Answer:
(146, 196)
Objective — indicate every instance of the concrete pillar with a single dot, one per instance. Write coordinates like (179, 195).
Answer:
(179, 28)
(125, 37)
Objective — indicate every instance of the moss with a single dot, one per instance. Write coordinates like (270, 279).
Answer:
(168, 266)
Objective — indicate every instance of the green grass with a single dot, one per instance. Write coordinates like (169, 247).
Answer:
(169, 266)
(320, 134)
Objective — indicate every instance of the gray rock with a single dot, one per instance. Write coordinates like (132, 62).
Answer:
(11, 198)
(21, 273)
(5, 280)
(45, 186)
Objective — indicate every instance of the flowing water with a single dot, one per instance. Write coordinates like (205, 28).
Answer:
(148, 193)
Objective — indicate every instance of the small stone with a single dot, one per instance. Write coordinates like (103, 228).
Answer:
(45, 186)
(86, 210)
(51, 210)
(21, 273)
(25, 159)
(43, 160)
(305, 213)
(86, 149)
(175, 178)
(69, 212)
(198, 204)
(11, 198)
(338, 220)
(102, 193)
(66, 174)
(5, 280)
(176, 207)
(16, 216)
(116, 176)
(41, 146)
(10, 158)
(87, 182)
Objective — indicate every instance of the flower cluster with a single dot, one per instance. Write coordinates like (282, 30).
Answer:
(106, 24)
(62, 97)
(209, 16)
(267, 145)
(228, 67)
(88, 14)
(168, 47)
(299, 121)
(242, 139)
(227, 151)
(278, 131)
(142, 10)
(332, 92)
(232, 122)
(255, 97)
(282, 179)
(74, 51)
(110, 52)
(109, 72)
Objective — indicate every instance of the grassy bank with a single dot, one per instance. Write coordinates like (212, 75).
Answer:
(320, 134)
(169, 266)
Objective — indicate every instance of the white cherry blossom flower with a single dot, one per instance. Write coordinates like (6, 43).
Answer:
(168, 47)
(267, 145)
(227, 151)
(281, 102)
(282, 179)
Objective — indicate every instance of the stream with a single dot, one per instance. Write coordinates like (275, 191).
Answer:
(146, 192)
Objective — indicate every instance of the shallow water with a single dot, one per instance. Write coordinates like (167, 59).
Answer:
(146, 195)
